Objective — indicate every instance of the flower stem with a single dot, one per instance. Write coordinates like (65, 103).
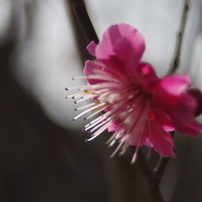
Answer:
(149, 179)
(161, 166)
(176, 59)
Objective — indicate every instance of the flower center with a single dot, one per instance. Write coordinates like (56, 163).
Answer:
(125, 106)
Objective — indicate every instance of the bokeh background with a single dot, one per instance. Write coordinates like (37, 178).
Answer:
(43, 154)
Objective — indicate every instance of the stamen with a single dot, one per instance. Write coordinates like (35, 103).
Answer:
(112, 143)
(111, 138)
(149, 152)
(76, 87)
(134, 157)
(102, 123)
(79, 77)
(95, 120)
(115, 137)
(99, 92)
(98, 111)
(99, 131)
(117, 149)
(91, 104)
(92, 138)
(104, 95)
(83, 99)
(106, 85)
(149, 149)
(135, 153)
(88, 110)
(103, 116)
(123, 150)
(106, 77)
(94, 124)
(137, 148)
(75, 95)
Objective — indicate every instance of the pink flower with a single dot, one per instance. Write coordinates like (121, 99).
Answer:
(140, 108)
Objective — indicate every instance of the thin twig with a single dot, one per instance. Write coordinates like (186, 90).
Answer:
(158, 171)
(151, 179)
(161, 166)
(176, 60)
(150, 182)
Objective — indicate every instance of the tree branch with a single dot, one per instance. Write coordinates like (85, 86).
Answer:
(176, 59)
(161, 166)
(79, 10)
(149, 180)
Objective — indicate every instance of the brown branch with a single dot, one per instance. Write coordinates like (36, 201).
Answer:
(176, 58)
(80, 12)
(149, 180)
(161, 166)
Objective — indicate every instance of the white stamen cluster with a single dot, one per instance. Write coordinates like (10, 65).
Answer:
(122, 101)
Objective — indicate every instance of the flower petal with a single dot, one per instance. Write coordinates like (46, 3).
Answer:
(161, 117)
(124, 42)
(161, 140)
(91, 48)
(198, 96)
(175, 84)
(145, 75)
(191, 129)
(88, 71)
(171, 96)
(113, 127)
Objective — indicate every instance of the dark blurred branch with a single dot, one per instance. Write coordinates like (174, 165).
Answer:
(161, 166)
(176, 60)
(82, 36)
(79, 10)
(152, 178)
(158, 172)
(149, 180)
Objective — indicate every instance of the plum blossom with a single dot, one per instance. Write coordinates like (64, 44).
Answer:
(140, 108)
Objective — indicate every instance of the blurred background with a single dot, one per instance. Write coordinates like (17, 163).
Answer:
(43, 154)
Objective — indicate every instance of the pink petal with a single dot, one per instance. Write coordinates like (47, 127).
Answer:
(161, 117)
(171, 96)
(191, 129)
(123, 42)
(148, 143)
(88, 71)
(115, 65)
(91, 48)
(113, 127)
(162, 141)
(141, 140)
(198, 96)
(146, 76)
(175, 84)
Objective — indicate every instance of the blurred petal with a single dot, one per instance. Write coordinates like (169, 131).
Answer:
(91, 48)
(162, 141)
